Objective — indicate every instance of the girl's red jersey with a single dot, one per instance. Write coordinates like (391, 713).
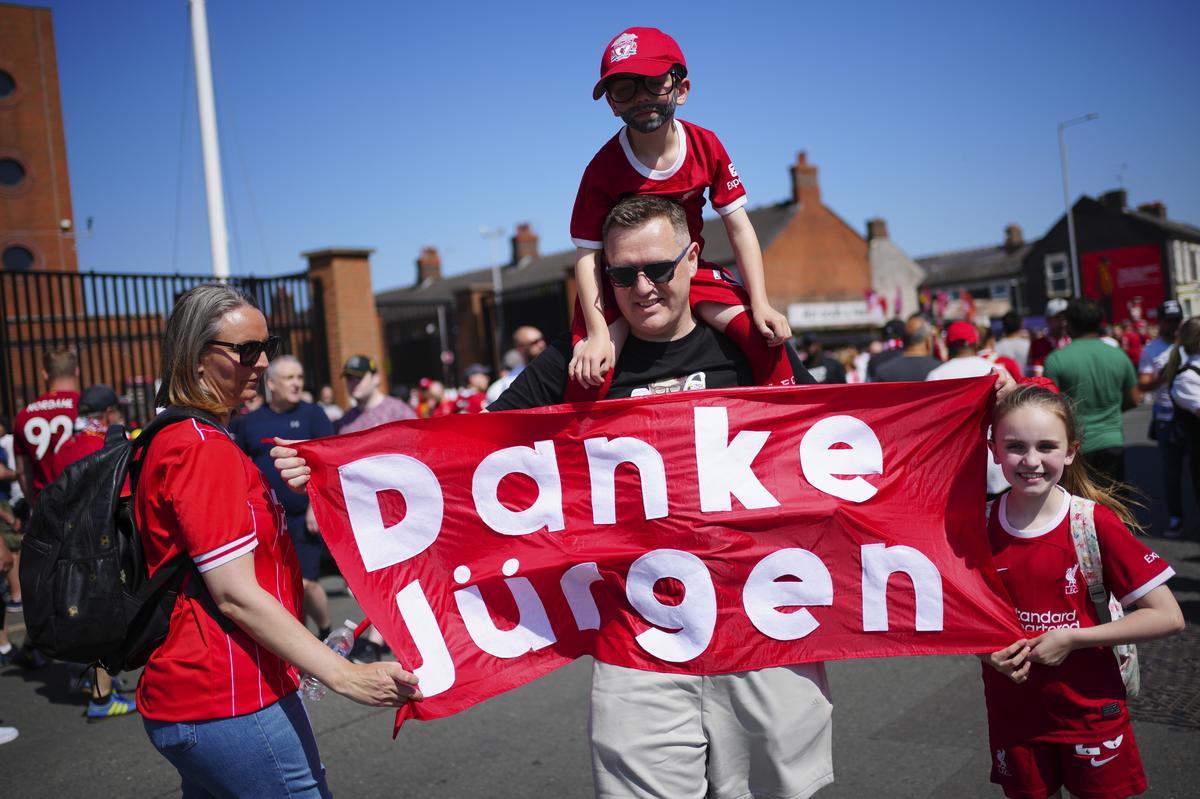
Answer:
(1084, 696)
(199, 494)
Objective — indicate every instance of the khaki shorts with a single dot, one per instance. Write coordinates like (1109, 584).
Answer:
(12, 539)
(764, 733)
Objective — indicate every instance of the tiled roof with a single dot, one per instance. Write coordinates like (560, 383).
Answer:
(980, 263)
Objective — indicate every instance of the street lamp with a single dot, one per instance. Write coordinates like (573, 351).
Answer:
(494, 234)
(1062, 152)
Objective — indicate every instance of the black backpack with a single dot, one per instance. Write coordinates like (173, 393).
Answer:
(88, 596)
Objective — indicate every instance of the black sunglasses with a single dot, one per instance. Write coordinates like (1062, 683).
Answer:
(624, 88)
(658, 272)
(248, 351)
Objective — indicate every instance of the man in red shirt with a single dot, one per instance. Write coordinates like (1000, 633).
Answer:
(1055, 337)
(98, 408)
(473, 398)
(38, 431)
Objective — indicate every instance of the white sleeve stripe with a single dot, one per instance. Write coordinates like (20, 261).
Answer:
(221, 550)
(726, 210)
(1148, 586)
(233, 555)
(587, 244)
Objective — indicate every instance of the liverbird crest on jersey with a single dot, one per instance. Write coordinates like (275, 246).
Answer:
(1072, 587)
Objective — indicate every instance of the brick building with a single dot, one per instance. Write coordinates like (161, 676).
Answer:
(36, 220)
(1128, 258)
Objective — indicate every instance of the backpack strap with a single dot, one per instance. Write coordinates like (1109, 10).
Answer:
(1087, 552)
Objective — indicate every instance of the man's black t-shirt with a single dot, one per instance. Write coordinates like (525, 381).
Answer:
(906, 369)
(702, 359)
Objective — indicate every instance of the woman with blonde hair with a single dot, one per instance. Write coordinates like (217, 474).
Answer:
(219, 697)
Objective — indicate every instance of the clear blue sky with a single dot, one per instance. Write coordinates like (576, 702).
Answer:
(396, 125)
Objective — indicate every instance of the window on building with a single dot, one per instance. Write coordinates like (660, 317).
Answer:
(1058, 275)
(17, 258)
(11, 172)
(998, 291)
(7, 84)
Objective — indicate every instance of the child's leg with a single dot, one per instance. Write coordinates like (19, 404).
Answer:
(769, 365)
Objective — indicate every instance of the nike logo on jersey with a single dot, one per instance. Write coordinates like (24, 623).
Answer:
(1097, 763)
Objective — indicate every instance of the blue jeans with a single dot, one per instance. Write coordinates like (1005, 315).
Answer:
(1171, 448)
(271, 753)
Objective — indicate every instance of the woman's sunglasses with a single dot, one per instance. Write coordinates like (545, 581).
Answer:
(248, 351)
(658, 272)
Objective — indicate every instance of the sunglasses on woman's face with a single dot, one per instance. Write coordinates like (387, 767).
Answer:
(624, 277)
(248, 351)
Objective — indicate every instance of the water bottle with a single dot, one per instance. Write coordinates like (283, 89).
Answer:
(340, 641)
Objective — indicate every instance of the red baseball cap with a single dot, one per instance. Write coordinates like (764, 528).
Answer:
(961, 332)
(638, 51)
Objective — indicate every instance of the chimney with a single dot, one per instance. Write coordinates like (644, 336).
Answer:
(876, 229)
(429, 266)
(805, 191)
(1156, 209)
(1117, 199)
(524, 243)
(1014, 237)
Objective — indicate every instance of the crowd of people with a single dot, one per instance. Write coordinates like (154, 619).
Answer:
(219, 698)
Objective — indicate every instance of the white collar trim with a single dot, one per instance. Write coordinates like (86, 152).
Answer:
(1063, 510)
(645, 171)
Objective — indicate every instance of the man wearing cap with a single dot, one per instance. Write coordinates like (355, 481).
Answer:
(892, 341)
(1055, 337)
(372, 407)
(1101, 381)
(98, 408)
(473, 399)
(962, 341)
(1171, 446)
(286, 415)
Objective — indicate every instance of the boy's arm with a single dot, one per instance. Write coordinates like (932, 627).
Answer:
(748, 256)
(594, 357)
(1157, 616)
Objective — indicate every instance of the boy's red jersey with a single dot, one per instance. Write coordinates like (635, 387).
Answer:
(1084, 696)
(41, 429)
(615, 173)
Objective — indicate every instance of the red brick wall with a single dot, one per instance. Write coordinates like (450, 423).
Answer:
(31, 132)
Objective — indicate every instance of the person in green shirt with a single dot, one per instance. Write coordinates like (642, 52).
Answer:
(1101, 381)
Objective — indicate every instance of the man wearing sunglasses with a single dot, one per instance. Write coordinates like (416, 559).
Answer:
(644, 78)
(761, 733)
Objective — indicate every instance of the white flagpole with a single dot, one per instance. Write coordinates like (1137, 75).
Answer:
(217, 232)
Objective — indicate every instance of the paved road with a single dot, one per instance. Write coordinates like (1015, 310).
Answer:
(905, 727)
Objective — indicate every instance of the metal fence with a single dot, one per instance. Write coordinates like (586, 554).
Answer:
(543, 306)
(115, 322)
(417, 337)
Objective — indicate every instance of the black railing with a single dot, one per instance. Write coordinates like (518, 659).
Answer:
(416, 336)
(543, 306)
(115, 322)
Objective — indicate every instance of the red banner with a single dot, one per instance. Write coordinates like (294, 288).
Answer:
(1121, 278)
(702, 532)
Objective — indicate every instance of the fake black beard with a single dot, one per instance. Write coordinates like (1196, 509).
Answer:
(666, 112)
